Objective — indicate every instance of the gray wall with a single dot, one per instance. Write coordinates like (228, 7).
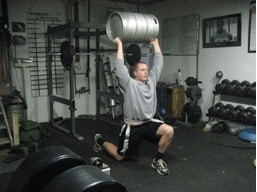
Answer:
(234, 62)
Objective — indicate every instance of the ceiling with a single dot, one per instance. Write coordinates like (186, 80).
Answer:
(139, 2)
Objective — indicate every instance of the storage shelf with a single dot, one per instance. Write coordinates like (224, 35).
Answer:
(235, 99)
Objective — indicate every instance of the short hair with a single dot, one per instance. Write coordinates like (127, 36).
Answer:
(134, 67)
(220, 21)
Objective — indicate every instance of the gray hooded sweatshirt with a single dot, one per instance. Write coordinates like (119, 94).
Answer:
(140, 99)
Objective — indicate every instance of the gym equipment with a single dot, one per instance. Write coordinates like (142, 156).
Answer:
(223, 111)
(191, 81)
(234, 91)
(194, 93)
(239, 90)
(67, 51)
(96, 161)
(109, 84)
(229, 88)
(250, 91)
(132, 27)
(219, 75)
(84, 178)
(133, 54)
(248, 134)
(72, 31)
(170, 101)
(234, 130)
(252, 119)
(191, 112)
(213, 111)
(219, 88)
(219, 127)
(247, 116)
(233, 113)
(40, 167)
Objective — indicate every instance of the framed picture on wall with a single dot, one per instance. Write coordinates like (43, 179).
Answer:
(252, 28)
(223, 31)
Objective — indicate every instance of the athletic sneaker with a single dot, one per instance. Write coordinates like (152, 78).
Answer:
(97, 146)
(161, 167)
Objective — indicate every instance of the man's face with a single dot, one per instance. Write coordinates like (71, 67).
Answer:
(220, 26)
(141, 72)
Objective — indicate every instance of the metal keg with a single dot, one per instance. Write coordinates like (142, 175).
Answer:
(132, 27)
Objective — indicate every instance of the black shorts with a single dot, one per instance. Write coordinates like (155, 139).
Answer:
(131, 137)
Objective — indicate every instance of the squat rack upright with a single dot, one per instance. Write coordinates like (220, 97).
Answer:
(70, 31)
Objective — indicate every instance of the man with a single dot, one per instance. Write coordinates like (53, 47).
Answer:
(139, 105)
(221, 34)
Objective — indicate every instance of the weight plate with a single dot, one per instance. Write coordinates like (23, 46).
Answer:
(66, 54)
(194, 113)
(133, 54)
(40, 167)
(84, 178)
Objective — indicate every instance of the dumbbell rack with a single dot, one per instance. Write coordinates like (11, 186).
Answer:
(219, 98)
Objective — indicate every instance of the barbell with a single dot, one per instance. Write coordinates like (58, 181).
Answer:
(67, 51)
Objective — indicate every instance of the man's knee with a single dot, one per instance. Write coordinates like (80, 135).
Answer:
(170, 131)
(166, 130)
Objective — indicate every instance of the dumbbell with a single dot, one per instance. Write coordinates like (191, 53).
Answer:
(232, 114)
(247, 116)
(250, 91)
(239, 90)
(213, 111)
(229, 88)
(219, 88)
(222, 112)
(219, 127)
(252, 115)
(252, 120)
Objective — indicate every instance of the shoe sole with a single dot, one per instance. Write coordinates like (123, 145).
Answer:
(153, 166)
(97, 147)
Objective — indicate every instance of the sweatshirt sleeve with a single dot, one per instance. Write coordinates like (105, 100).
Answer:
(122, 73)
(157, 67)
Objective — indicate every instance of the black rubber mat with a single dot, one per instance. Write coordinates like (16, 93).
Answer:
(198, 161)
